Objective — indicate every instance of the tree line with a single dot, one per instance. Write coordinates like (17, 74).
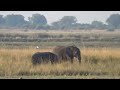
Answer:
(38, 21)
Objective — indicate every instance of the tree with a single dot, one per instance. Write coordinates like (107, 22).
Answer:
(37, 19)
(2, 20)
(98, 25)
(56, 25)
(67, 22)
(14, 20)
(114, 20)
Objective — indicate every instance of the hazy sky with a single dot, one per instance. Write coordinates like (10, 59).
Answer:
(82, 16)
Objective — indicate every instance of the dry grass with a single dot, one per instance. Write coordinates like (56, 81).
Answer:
(58, 32)
(95, 61)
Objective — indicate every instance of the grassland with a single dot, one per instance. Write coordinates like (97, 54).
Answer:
(100, 54)
(81, 38)
(95, 63)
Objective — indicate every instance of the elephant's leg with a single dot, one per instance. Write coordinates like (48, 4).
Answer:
(72, 60)
(79, 61)
(52, 62)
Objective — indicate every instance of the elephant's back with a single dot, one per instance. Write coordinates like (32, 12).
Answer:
(58, 49)
(37, 54)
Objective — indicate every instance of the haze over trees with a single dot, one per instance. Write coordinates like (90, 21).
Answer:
(67, 22)
(2, 20)
(98, 25)
(14, 20)
(38, 21)
(114, 21)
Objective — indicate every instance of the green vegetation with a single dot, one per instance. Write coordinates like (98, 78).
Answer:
(39, 22)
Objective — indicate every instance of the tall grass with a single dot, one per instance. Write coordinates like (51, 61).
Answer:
(95, 61)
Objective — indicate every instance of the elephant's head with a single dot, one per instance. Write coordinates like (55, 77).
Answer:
(76, 52)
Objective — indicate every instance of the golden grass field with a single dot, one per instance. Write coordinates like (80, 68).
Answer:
(96, 63)
(100, 51)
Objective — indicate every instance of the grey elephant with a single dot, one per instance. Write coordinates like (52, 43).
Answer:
(68, 53)
(40, 57)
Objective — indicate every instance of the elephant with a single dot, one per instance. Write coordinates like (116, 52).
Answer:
(67, 53)
(40, 57)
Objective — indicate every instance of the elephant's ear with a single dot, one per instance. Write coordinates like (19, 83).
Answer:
(69, 51)
(70, 48)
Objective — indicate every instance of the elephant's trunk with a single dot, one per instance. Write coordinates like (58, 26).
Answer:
(79, 57)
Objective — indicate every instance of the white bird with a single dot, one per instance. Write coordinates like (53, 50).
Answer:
(37, 47)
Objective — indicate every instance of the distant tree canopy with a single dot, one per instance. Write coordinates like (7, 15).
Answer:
(38, 19)
(69, 20)
(14, 20)
(65, 23)
(2, 20)
(98, 25)
(114, 20)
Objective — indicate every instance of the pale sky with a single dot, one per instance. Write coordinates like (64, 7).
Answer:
(82, 16)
